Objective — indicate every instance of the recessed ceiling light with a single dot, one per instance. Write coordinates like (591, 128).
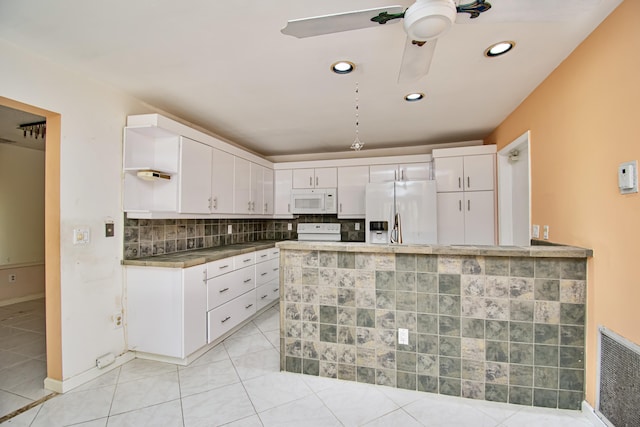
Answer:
(499, 48)
(412, 97)
(343, 67)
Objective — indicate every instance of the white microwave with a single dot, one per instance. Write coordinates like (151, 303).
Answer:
(314, 201)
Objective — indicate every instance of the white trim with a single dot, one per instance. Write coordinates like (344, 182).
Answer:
(592, 416)
(80, 379)
(22, 299)
(464, 151)
(505, 190)
(21, 265)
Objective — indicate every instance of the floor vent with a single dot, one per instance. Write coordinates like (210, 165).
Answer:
(619, 378)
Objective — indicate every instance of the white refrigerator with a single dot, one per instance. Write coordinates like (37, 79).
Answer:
(407, 207)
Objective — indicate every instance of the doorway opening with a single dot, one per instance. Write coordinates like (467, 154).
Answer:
(514, 192)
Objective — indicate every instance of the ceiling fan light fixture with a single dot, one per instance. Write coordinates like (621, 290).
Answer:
(429, 19)
(413, 97)
(343, 67)
(499, 48)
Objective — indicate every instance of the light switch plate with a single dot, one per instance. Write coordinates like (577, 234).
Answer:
(545, 232)
(230, 229)
(535, 231)
(81, 236)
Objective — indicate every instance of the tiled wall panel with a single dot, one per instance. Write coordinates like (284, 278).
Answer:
(504, 329)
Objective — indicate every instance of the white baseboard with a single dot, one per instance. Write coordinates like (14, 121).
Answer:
(22, 299)
(93, 373)
(590, 413)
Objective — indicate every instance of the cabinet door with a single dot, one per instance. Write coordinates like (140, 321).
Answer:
(257, 190)
(479, 172)
(221, 175)
(479, 218)
(451, 218)
(352, 184)
(267, 186)
(283, 186)
(303, 178)
(194, 190)
(195, 308)
(415, 172)
(326, 178)
(242, 186)
(449, 173)
(383, 173)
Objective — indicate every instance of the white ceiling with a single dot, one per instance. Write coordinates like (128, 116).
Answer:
(226, 67)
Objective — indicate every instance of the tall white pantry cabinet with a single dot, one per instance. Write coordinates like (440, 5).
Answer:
(465, 179)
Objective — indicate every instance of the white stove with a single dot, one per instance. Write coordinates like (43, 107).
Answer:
(325, 232)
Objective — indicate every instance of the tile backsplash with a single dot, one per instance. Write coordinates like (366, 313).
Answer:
(148, 237)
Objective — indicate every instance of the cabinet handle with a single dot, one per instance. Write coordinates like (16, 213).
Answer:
(310, 181)
(402, 174)
(289, 207)
(224, 266)
(340, 207)
(249, 306)
(276, 289)
(266, 207)
(264, 296)
(263, 255)
(276, 269)
(264, 274)
(247, 281)
(460, 205)
(224, 320)
(395, 175)
(215, 203)
(246, 260)
(459, 182)
(468, 205)
(316, 181)
(468, 182)
(204, 276)
(249, 206)
(210, 205)
(223, 290)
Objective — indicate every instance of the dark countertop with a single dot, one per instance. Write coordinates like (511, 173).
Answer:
(199, 256)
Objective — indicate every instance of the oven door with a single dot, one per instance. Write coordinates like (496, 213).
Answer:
(308, 202)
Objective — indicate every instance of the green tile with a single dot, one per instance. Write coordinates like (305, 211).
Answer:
(384, 319)
(427, 384)
(449, 346)
(449, 305)
(311, 367)
(570, 399)
(546, 289)
(546, 377)
(427, 323)
(346, 260)
(406, 361)
(574, 269)
(450, 387)
(496, 266)
(366, 375)
(328, 333)
(449, 284)
(386, 377)
(405, 281)
(406, 301)
(521, 310)
(572, 335)
(546, 334)
(427, 344)
(406, 380)
(521, 267)
(545, 398)
(347, 335)
(449, 367)
(572, 357)
(471, 265)
(546, 355)
(427, 303)
(328, 314)
(448, 325)
(497, 351)
(427, 263)
(571, 379)
(405, 262)
(427, 282)
(520, 395)
(521, 353)
(366, 317)
(386, 280)
(497, 330)
(386, 300)
(547, 268)
(293, 364)
(572, 314)
(472, 328)
(521, 375)
(346, 372)
(496, 392)
(521, 332)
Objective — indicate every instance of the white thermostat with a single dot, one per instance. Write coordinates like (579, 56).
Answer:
(628, 177)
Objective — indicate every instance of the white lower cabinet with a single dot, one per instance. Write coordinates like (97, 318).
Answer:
(166, 310)
(466, 218)
(173, 312)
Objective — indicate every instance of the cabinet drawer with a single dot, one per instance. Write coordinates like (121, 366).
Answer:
(221, 266)
(267, 293)
(274, 253)
(228, 286)
(263, 255)
(222, 319)
(267, 271)
(244, 260)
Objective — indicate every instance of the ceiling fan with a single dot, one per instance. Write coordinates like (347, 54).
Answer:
(427, 20)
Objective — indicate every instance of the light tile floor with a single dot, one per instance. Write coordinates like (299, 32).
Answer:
(23, 365)
(238, 383)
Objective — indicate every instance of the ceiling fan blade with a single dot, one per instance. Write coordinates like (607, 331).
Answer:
(416, 60)
(327, 24)
(529, 11)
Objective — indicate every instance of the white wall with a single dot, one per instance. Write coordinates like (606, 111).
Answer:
(92, 119)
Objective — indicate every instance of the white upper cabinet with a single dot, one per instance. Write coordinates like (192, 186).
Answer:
(268, 189)
(194, 189)
(222, 182)
(315, 178)
(352, 184)
(404, 172)
(465, 173)
(282, 197)
(242, 186)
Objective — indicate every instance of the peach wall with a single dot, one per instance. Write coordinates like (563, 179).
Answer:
(583, 120)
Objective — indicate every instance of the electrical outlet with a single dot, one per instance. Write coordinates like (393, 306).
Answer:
(117, 320)
(289, 226)
(230, 229)
(357, 226)
(535, 231)
(109, 229)
(545, 232)
(403, 336)
(13, 278)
